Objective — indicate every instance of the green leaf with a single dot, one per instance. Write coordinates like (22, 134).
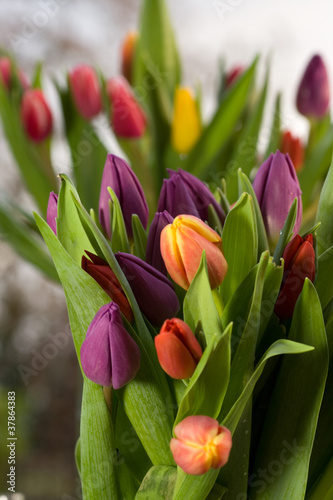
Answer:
(291, 420)
(286, 232)
(199, 306)
(222, 126)
(324, 214)
(208, 385)
(33, 160)
(275, 137)
(140, 238)
(158, 484)
(323, 285)
(245, 150)
(24, 241)
(323, 490)
(70, 231)
(245, 186)
(119, 240)
(240, 244)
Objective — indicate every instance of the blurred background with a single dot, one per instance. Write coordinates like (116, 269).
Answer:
(37, 357)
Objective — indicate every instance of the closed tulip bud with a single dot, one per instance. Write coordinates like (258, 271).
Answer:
(6, 74)
(276, 186)
(127, 54)
(313, 96)
(127, 118)
(109, 355)
(52, 212)
(119, 176)
(153, 252)
(186, 124)
(182, 244)
(102, 273)
(184, 193)
(177, 349)
(294, 147)
(200, 444)
(36, 115)
(154, 293)
(86, 92)
(299, 263)
(233, 75)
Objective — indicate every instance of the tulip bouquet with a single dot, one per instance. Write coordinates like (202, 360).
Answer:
(197, 271)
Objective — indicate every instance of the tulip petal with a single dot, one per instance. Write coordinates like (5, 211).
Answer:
(172, 258)
(192, 459)
(199, 227)
(197, 429)
(153, 251)
(175, 359)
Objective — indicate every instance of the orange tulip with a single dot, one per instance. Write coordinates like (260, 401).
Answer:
(177, 349)
(182, 244)
(127, 54)
(293, 146)
(200, 444)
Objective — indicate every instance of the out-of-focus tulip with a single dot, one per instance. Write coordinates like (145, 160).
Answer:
(86, 91)
(182, 244)
(232, 75)
(127, 54)
(127, 117)
(102, 273)
(6, 73)
(184, 193)
(313, 96)
(276, 186)
(153, 291)
(200, 444)
(52, 212)
(119, 176)
(109, 355)
(177, 349)
(294, 147)
(153, 252)
(299, 263)
(186, 124)
(36, 115)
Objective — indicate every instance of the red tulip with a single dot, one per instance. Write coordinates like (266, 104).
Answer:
(294, 147)
(177, 349)
(6, 73)
(127, 118)
(200, 444)
(299, 263)
(86, 91)
(232, 75)
(182, 244)
(36, 115)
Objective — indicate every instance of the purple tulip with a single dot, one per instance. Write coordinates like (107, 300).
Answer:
(183, 193)
(119, 176)
(109, 355)
(313, 96)
(276, 186)
(153, 291)
(52, 212)
(153, 252)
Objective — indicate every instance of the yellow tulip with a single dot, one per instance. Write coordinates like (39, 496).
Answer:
(186, 125)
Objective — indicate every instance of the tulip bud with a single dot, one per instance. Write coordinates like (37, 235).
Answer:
(101, 272)
(299, 263)
(127, 118)
(86, 91)
(184, 193)
(52, 212)
(154, 293)
(177, 349)
(153, 252)
(313, 96)
(36, 115)
(109, 355)
(200, 444)
(233, 75)
(276, 186)
(294, 147)
(6, 74)
(119, 176)
(186, 125)
(127, 54)
(182, 244)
